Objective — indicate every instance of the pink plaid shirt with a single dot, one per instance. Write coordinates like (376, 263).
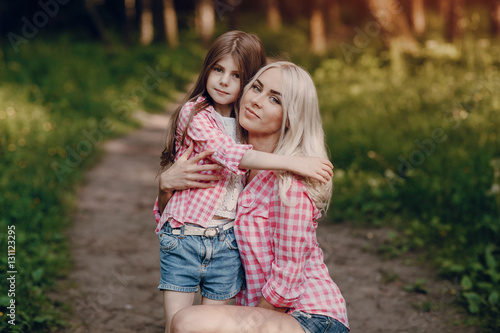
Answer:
(198, 206)
(280, 253)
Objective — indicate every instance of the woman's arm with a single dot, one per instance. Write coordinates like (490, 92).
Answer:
(184, 174)
(292, 229)
(263, 303)
(311, 167)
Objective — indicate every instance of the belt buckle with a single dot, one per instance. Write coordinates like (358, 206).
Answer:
(211, 232)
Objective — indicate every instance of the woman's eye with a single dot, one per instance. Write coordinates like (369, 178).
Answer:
(236, 76)
(218, 69)
(275, 100)
(256, 88)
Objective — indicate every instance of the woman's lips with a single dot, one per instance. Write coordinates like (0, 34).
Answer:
(250, 113)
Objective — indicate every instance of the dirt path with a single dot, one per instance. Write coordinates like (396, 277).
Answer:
(115, 250)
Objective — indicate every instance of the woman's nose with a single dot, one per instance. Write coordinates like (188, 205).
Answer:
(257, 101)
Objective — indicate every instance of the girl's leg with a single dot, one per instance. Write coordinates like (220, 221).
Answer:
(230, 319)
(173, 301)
(208, 301)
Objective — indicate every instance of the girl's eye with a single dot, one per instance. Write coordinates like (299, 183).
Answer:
(218, 69)
(256, 88)
(236, 75)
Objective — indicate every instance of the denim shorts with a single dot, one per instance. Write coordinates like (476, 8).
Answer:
(314, 323)
(212, 263)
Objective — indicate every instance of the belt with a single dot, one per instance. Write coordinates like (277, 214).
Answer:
(198, 231)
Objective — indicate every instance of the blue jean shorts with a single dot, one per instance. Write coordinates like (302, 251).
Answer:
(314, 323)
(211, 263)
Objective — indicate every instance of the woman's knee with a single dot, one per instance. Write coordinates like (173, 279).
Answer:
(184, 321)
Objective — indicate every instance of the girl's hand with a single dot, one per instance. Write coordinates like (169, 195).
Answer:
(318, 168)
(185, 173)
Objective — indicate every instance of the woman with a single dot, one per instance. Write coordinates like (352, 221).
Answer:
(288, 285)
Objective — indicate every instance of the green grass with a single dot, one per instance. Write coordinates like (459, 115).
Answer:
(416, 147)
(59, 100)
(416, 150)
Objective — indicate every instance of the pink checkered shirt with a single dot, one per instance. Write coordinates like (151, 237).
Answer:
(198, 206)
(280, 253)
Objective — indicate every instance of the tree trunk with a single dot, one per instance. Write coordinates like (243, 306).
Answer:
(129, 20)
(97, 22)
(393, 24)
(444, 6)
(158, 21)
(418, 16)
(234, 18)
(318, 28)
(495, 18)
(170, 19)
(147, 29)
(455, 20)
(333, 14)
(273, 15)
(205, 20)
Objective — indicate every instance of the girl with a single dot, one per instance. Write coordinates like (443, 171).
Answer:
(289, 288)
(197, 244)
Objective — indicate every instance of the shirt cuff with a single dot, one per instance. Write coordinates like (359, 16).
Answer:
(232, 157)
(275, 299)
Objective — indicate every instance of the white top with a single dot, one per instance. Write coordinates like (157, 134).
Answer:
(227, 208)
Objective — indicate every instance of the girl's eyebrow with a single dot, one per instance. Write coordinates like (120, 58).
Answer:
(272, 91)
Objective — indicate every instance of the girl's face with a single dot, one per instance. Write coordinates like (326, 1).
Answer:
(223, 84)
(261, 112)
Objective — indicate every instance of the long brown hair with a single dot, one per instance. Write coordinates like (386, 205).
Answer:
(249, 55)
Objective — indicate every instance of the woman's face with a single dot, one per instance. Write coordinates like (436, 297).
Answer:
(261, 112)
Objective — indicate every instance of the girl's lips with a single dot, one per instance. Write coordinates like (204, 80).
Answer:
(251, 113)
(221, 92)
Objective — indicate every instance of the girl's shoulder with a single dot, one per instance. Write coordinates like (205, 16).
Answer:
(190, 105)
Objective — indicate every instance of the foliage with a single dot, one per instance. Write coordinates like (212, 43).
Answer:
(416, 147)
(56, 108)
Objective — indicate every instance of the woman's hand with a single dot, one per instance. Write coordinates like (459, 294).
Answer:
(317, 168)
(184, 174)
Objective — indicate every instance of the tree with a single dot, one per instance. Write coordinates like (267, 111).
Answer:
(394, 25)
(129, 19)
(146, 23)
(454, 19)
(97, 22)
(170, 21)
(418, 16)
(205, 20)
(273, 15)
(333, 15)
(318, 28)
(495, 17)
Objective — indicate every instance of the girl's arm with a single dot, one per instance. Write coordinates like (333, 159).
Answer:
(237, 157)
(311, 167)
(184, 174)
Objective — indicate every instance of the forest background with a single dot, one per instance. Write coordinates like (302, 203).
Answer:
(409, 94)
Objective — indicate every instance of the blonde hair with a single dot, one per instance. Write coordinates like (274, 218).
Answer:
(301, 129)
